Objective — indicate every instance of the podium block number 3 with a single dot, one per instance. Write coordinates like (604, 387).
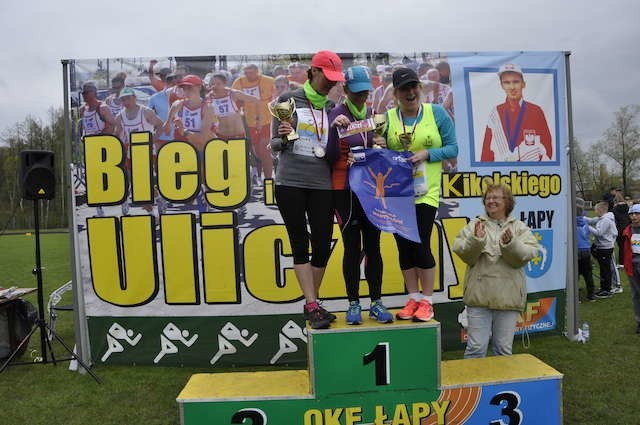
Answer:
(380, 356)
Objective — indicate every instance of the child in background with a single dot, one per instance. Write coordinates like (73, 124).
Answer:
(605, 233)
(631, 240)
(584, 249)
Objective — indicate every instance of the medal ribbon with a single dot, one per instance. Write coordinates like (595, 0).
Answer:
(315, 123)
(415, 124)
(516, 131)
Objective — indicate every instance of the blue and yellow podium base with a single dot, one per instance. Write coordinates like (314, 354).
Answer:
(379, 374)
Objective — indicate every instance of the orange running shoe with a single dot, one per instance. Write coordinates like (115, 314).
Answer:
(408, 311)
(424, 313)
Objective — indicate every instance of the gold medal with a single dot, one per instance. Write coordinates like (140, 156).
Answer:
(405, 139)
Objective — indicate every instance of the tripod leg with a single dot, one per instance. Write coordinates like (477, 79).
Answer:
(72, 354)
(15, 352)
(53, 356)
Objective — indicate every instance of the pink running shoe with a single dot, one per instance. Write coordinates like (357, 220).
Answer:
(424, 313)
(408, 311)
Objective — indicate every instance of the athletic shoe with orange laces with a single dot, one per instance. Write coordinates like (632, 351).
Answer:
(424, 313)
(408, 311)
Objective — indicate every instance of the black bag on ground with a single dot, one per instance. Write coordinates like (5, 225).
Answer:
(21, 315)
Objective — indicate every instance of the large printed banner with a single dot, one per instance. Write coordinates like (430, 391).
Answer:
(181, 252)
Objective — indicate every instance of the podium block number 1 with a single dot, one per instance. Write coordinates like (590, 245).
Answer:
(380, 356)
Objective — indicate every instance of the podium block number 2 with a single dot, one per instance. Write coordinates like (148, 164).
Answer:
(380, 355)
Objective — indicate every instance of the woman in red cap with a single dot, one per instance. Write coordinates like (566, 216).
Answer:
(191, 117)
(303, 180)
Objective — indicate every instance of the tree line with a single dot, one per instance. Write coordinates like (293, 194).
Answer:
(613, 161)
(32, 134)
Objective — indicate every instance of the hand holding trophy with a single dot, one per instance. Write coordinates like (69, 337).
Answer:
(283, 111)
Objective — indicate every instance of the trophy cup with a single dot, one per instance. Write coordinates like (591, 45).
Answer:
(283, 111)
(380, 123)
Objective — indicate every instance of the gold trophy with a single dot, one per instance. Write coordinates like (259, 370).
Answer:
(380, 123)
(283, 111)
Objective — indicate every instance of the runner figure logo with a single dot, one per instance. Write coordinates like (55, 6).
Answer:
(172, 333)
(290, 331)
(230, 332)
(115, 334)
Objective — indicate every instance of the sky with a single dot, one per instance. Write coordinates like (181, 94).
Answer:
(601, 36)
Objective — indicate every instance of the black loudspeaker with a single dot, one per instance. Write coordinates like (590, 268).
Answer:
(38, 179)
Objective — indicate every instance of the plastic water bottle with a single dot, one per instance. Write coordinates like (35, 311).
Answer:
(586, 333)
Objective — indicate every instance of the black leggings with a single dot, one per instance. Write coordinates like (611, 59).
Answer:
(412, 254)
(357, 234)
(604, 261)
(297, 205)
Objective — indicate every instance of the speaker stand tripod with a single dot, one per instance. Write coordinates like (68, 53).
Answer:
(41, 324)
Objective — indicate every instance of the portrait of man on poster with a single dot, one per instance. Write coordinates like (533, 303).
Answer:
(517, 129)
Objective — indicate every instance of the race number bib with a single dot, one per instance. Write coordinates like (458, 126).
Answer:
(308, 127)
(223, 107)
(420, 186)
(635, 243)
(252, 91)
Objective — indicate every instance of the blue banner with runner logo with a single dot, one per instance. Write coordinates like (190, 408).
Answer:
(383, 182)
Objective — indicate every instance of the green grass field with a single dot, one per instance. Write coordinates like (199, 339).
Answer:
(600, 378)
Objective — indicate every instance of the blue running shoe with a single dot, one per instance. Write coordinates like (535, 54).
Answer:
(354, 314)
(379, 312)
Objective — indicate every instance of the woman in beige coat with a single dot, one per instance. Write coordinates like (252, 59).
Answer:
(496, 247)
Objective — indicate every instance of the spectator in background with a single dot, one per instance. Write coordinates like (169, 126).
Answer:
(609, 197)
(161, 102)
(496, 247)
(423, 67)
(585, 267)
(95, 116)
(278, 71)
(445, 72)
(621, 214)
(383, 99)
(282, 85)
(192, 118)
(224, 102)
(113, 100)
(436, 92)
(159, 81)
(631, 240)
(134, 117)
(257, 115)
(605, 233)
(297, 72)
